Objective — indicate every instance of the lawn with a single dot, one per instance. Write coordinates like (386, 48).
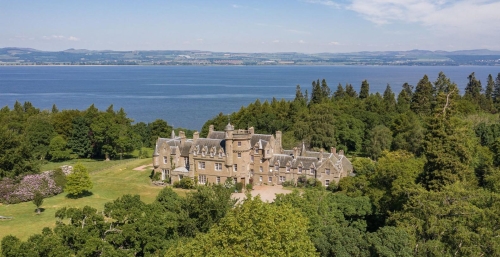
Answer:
(110, 179)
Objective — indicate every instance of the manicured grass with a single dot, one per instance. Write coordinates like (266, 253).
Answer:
(116, 180)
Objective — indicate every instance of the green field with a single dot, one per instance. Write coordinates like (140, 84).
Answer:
(110, 179)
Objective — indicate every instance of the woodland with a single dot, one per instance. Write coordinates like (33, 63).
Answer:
(427, 178)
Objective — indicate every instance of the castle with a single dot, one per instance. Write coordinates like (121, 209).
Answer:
(245, 157)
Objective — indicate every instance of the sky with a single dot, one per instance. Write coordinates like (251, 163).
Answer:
(307, 26)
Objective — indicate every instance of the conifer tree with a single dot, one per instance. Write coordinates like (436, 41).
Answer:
(423, 97)
(389, 99)
(496, 90)
(350, 92)
(340, 93)
(473, 89)
(364, 92)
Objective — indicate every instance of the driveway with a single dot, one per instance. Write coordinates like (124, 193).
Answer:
(267, 193)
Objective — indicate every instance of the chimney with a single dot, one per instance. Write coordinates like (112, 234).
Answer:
(183, 137)
(341, 152)
(278, 147)
(251, 130)
(196, 135)
(211, 128)
(295, 152)
(333, 150)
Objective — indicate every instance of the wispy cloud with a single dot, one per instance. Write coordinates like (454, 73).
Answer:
(324, 2)
(61, 37)
(276, 41)
(334, 43)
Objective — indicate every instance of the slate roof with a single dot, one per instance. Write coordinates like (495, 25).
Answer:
(264, 138)
(174, 145)
(209, 143)
(217, 135)
(283, 159)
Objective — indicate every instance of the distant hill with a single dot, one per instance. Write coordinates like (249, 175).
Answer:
(29, 56)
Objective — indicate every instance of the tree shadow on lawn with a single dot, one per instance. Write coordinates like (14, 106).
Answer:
(84, 194)
(41, 210)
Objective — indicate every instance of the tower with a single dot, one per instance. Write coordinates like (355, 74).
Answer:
(229, 144)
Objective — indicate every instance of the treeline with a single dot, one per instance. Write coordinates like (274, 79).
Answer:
(30, 136)
(365, 123)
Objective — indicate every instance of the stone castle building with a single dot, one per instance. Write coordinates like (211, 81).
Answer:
(245, 157)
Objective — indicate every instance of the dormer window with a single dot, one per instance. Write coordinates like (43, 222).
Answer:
(299, 170)
(239, 144)
(276, 168)
(287, 168)
(257, 150)
(165, 159)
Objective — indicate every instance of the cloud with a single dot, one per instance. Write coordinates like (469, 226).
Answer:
(334, 43)
(276, 41)
(302, 41)
(60, 37)
(324, 2)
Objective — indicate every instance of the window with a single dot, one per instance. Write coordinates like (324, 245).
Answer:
(220, 154)
(299, 170)
(327, 182)
(260, 178)
(218, 166)
(239, 144)
(235, 167)
(186, 161)
(276, 168)
(288, 169)
(251, 158)
(239, 155)
(235, 180)
(261, 169)
(327, 171)
(201, 165)
(217, 180)
(202, 179)
(270, 179)
(165, 159)
(267, 151)
(312, 171)
(251, 172)
(256, 150)
(282, 178)
(261, 160)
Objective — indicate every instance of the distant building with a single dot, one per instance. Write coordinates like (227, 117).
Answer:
(245, 157)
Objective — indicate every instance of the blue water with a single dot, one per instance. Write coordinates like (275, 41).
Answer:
(187, 96)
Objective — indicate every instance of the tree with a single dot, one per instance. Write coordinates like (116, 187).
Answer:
(404, 98)
(473, 89)
(365, 89)
(79, 141)
(340, 93)
(423, 97)
(254, 228)
(38, 201)
(350, 92)
(78, 182)
(389, 99)
(379, 139)
(57, 149)
(37, 135)
(496, 90)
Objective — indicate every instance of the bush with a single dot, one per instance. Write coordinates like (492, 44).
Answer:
(239, 187)
(156, 176)
(289, 183)
(59, 177)
(302, 181)
(79, 181)
(12, 192)
(249, 187)
(186, 183)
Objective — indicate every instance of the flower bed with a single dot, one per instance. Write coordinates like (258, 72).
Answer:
(12, 192)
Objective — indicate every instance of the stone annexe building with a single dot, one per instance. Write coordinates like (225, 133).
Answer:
(244, 157)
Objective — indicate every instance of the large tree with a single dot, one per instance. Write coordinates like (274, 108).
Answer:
(78, 182)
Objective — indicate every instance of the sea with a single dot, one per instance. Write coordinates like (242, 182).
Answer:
(187, 96)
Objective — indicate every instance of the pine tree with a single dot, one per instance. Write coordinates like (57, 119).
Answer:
(340, 93)
(389, 99)
(473, 89)
(423, 97)
(496, 90)
(79, 142)
(365, 90)
(350, 92)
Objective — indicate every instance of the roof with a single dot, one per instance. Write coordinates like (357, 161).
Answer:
(209, 144)
(306, 162)
(260, 138)
(282, 159)
(217, 135)
(174, 145)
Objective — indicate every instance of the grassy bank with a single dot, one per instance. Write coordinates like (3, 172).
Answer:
(110, 179)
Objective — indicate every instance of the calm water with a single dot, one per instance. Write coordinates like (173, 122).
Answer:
(187, 96)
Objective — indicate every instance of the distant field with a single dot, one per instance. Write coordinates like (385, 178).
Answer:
(110, 179)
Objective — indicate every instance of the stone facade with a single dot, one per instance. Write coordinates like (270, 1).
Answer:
(246, 157)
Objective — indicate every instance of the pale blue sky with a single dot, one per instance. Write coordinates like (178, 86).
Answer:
(309, 26)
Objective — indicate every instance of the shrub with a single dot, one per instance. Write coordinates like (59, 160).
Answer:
(11, 192)
(79, 181)
(239, 187)
(177, 184)
(38, 201)
(289, 183)
(59, 177)
(186, 183)
(249, 187)
(156, 176)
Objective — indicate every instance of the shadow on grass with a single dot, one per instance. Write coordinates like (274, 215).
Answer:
(41, 210)
(84, 194)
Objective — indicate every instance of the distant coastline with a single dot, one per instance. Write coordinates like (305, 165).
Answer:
(13, 56)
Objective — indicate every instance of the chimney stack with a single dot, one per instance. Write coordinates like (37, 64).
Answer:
(341, 152)
(295, 152)
(196, 135)
(183, 137)
(251, 130)
(333, 150)
(211, 128)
